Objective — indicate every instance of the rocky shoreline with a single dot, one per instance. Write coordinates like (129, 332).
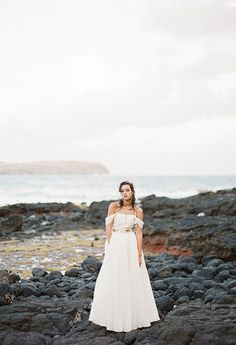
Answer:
(198, 225)
(192, 271)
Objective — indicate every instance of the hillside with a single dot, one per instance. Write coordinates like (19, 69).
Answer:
(52, 167)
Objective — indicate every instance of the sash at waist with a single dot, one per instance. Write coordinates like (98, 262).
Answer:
(123, 229)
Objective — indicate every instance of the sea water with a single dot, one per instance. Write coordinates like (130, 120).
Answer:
(89, 188)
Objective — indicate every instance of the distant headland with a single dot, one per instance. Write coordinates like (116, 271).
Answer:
(52, 167)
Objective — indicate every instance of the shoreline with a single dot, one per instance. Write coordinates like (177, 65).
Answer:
(195, 291)
(184, 225)
(196, 226)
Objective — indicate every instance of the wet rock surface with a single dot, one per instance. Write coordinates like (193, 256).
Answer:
(60, 250)
(196, 300)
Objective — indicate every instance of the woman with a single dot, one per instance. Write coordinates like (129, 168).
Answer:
(123, 299)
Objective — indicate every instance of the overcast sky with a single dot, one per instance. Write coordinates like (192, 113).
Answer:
(141, 86)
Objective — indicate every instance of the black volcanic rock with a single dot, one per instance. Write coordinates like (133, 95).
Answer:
(222, 202)
(39, 217)
(12, 223)
(97, 212)
(55, 310)
(200, 225)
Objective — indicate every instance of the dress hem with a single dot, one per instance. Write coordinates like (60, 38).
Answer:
(132, 329)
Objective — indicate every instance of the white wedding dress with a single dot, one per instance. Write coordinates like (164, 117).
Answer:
(123, 298)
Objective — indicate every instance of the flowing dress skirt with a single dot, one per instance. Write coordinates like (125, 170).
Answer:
(123, 298)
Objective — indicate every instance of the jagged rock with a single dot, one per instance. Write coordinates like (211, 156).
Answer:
(12, 223)
(97, 212)
(73, 272)
(6, 294)
(8, 277)
(91, 264)
(39, 272)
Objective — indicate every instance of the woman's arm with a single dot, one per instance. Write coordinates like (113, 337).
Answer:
(111, 210)
(139, 232)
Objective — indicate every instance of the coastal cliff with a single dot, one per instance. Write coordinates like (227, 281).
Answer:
(52, 167)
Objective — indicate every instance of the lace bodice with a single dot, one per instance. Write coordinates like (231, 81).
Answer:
(123, 221)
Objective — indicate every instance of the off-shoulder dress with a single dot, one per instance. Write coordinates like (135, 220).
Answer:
(123, 299)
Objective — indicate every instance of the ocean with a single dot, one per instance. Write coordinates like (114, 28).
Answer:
(89, 188)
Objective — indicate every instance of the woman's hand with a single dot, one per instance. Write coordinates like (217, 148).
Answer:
(139, 259)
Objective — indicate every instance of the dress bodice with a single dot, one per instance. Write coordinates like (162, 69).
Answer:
(123, 222)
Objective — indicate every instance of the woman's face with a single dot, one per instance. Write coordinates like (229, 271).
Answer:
(126, 192)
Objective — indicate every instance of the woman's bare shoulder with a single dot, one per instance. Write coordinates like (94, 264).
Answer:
(113, 206)
(139, 211)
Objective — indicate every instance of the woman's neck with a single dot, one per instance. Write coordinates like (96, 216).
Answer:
(129, 206)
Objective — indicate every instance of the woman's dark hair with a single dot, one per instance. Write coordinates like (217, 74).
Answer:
(121, 201)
